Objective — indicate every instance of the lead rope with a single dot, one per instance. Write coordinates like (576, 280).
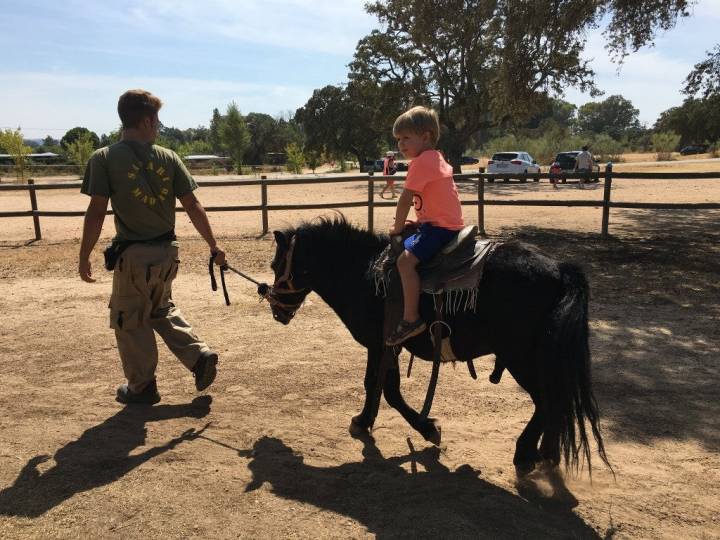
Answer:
(213, 282)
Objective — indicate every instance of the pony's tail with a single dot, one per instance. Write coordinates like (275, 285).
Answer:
(569, 398)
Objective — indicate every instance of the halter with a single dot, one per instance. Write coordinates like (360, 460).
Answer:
(282, 285)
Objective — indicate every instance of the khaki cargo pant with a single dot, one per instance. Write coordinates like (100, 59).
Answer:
(141, 304)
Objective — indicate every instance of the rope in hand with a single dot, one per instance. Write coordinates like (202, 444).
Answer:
(262, 290)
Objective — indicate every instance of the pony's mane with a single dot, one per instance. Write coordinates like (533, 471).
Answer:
(337, 231)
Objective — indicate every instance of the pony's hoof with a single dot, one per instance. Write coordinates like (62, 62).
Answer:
(433, 432)
(358, 427)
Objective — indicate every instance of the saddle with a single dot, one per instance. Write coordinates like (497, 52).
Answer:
(455, 271)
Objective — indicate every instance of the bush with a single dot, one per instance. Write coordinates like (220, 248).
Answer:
(665, 143)
(295, 158)
(607, 149)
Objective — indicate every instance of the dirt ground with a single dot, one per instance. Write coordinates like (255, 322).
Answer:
(266, 453)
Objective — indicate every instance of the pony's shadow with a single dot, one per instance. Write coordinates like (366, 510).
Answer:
(100, 456)
(428, 500)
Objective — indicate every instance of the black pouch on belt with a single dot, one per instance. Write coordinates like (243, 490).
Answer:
(113, 251)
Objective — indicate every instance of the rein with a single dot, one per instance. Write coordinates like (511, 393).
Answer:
(282, 285)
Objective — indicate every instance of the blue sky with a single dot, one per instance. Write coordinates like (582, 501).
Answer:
(66, 63)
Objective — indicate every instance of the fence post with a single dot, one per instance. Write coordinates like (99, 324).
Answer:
(606, 198)
(34, 206)
(371, 203)
(263, 203)
(481, 202)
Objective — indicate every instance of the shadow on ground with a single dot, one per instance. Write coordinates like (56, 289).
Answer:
(100, 456)
(427, 501)
(655, 309)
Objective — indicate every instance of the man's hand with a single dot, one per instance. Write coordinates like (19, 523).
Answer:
(394, 231)
(85, 270)
(218, 256)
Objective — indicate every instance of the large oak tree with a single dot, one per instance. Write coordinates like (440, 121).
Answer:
(487, 63)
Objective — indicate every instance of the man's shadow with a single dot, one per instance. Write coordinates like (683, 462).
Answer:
(429, 500)
(100, 456)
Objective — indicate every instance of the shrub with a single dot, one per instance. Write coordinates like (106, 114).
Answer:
(665, 143)
(80, 150)
(295, 158)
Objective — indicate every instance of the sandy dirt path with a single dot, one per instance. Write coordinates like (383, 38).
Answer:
(266, 452)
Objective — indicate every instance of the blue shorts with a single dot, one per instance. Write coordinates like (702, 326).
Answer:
(428, 241)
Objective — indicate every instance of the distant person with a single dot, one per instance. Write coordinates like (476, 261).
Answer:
(583, 165)
(142, 180)
(430, 188)
(389, 168)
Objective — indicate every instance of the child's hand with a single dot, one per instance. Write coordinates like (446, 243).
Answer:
(394, 231)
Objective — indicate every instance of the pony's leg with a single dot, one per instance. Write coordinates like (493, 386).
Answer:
(526, 447)
(364, 421)
(427, 428)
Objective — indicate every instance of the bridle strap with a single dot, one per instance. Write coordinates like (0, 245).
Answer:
(213, 282)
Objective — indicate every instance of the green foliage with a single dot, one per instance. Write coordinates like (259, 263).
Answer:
(313, 159)
(80, 150)
(705, 76)
(606, 148)
(295, 157)
(106, 139)
(214, 131)
(614, 116)
(695, 120)
(343, 120)
(664, 143)
(12, 142)
(234, 135)
(194, 148)
(75, 133)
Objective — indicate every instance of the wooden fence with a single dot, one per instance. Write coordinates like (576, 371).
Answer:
(478, 179)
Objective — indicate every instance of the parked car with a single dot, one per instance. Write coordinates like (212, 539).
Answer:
(565, 164)
(694, 149)
(469, 160)
(513, 163)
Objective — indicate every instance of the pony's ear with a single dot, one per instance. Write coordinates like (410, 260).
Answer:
(280, 238)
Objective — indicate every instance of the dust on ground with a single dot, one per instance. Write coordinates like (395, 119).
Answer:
(266, 452)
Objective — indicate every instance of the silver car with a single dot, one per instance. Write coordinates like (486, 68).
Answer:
(512, 163)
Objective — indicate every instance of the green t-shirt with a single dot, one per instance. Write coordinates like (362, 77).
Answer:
(142, 182)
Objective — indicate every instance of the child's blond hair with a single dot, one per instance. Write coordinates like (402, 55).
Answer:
(418, 120)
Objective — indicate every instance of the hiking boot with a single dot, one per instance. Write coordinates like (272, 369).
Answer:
(204, 370)
(404, 331)
(148, 396)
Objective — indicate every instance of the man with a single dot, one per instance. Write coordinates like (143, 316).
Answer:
(142, 181)
(583, 165)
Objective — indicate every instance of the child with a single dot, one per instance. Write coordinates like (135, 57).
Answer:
(388, 170)
(430, 188)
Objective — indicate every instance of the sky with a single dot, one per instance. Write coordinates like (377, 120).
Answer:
(66, 63)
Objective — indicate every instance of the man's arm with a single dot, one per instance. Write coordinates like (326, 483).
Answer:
(403, 207)
(92, 227)
(197, 215)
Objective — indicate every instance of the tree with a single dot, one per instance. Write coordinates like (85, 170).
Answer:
(295, 157)
(75, 133)
(234, 135)
(339, 121)
(214, 132)
(705, 76)
(696, 120)
(80, 150)
(614, 116)
(12, 142)
(482, 64)
(664, 143)
(110, 138)
(264, 137)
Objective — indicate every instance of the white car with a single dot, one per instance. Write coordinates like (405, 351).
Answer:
(513, 163)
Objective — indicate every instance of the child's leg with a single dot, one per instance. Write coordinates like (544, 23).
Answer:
(407, 263)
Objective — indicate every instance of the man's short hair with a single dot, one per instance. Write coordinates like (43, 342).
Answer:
(418, 120)
(136, 105)
(585, 148)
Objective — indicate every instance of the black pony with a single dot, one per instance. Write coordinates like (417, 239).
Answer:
(531, 313)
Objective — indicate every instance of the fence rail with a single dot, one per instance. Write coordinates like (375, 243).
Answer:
(479, 179)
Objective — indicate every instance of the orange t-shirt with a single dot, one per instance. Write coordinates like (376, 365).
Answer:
(436, 199)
